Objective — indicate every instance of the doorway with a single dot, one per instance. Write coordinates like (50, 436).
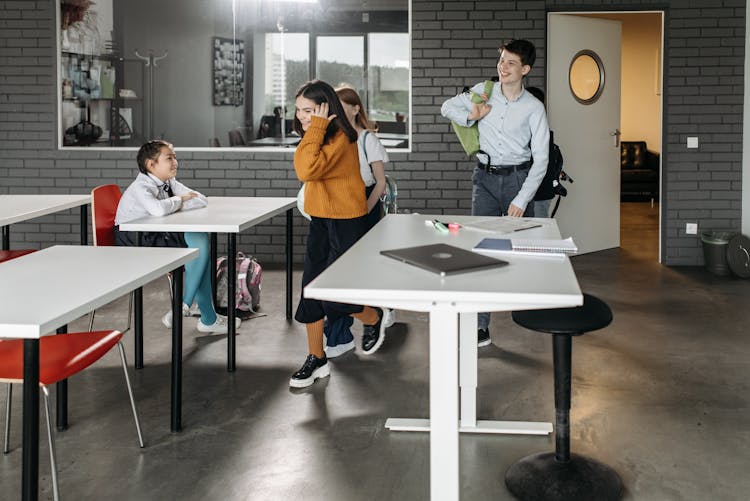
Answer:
(640, 122)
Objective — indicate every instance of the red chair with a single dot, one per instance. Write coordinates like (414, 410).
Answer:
(7, 255)
(104, 201)
(60, 357)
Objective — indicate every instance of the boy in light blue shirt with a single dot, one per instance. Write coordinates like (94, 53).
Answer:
(513, 130)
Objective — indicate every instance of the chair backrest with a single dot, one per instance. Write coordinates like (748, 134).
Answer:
(235, 138)
(104, 200)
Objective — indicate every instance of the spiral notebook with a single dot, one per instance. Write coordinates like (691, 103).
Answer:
(554, 247)
(443, 259)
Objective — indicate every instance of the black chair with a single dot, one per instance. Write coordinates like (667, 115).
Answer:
(561, 475)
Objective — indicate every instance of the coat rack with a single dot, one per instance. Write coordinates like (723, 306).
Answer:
(150, 63)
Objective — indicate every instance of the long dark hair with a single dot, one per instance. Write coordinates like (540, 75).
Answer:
(319, 92)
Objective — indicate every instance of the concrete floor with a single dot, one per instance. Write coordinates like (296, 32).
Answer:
(661, 395)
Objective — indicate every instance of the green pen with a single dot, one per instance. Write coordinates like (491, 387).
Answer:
(439, 226)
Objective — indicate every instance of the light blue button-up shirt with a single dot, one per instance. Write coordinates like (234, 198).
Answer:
(511, 133)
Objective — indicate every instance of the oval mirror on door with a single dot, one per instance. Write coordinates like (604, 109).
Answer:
(586, 76)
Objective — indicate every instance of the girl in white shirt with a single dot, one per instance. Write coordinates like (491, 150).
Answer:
(156, 192)
(372, 154)
(372, 160)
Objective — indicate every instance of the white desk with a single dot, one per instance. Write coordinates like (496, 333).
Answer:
(85, 278)
(526, 283)
(229, 215)
(17, 208)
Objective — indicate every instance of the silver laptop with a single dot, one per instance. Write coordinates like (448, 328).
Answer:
(444, 259)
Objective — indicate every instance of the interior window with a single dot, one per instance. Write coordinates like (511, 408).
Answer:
(222, 73)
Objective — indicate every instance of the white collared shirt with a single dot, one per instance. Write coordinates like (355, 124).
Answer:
(511, 133)
(146, 196)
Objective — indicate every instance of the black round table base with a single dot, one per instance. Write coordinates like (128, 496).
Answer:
(540, 477)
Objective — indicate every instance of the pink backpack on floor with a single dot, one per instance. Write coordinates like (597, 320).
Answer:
(248, 273)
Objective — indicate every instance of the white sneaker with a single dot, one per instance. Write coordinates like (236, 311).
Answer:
(167, 318)
(220, 326)
(339, 349)
(389, 317)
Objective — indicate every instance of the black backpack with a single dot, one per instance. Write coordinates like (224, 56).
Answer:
(550, 185)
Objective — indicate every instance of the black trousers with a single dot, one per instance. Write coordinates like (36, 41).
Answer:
(328, 239)
(150, 238)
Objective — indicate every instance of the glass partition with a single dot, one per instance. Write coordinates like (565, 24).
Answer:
(223, 73)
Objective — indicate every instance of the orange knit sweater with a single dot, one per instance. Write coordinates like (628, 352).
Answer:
(333, 185)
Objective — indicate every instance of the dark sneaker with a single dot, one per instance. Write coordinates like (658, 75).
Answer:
(373, 335)
(483, 337)
(313, 368)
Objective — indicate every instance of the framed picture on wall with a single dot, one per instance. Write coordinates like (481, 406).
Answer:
(228, 72)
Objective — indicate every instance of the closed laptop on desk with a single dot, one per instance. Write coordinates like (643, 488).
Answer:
(443, 259)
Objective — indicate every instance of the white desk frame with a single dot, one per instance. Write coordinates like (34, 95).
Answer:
(452, 302)
(18, 208)
(86, 278)
(229, 215)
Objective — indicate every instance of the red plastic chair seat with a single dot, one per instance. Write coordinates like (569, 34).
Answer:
(7, 255)
(60, 356)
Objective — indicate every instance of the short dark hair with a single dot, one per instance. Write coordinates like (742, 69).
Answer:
(150, 151)
(319, 91)
(523, 49)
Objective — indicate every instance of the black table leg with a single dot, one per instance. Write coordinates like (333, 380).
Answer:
(289, 229)
(84, 224)
(231, 301)
(62, 395)
(138, 314)
(30, 456)
(176, 409)
(213, 256)
(6, 237)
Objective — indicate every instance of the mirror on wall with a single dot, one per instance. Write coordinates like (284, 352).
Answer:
(224, 73)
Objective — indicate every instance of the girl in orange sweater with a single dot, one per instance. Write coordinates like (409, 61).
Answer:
(327, 161)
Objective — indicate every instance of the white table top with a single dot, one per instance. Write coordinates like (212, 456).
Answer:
(47, 289)
(17, 208)
(363, 276)
(222, 215)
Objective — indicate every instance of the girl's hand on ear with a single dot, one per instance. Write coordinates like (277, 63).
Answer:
(321, 110)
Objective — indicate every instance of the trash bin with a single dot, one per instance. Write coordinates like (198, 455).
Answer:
(715, 250)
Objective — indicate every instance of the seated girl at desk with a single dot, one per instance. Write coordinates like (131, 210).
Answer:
(156, 192)
(327, 162)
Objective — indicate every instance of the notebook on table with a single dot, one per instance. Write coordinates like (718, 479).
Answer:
(443, 259)
(557, 247)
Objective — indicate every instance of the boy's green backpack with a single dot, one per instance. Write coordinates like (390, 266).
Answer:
(469, 136)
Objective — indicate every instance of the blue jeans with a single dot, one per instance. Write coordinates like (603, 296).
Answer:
(541, 207)
(491, 195)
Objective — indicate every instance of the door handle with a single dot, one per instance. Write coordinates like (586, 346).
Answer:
(616, 136)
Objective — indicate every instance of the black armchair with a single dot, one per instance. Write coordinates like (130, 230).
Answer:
(639, 172)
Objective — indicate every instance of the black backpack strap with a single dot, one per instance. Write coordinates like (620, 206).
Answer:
(489, 159)
(557, 204)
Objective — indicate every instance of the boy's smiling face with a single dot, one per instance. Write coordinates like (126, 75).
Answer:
(164, 166)
(510, 69)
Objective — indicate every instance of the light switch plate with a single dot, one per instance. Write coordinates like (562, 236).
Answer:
(692, 142)
(691, 228)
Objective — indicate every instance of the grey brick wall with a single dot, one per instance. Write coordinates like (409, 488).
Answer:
(454, 42)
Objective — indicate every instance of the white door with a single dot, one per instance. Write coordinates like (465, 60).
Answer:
(586, 133)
